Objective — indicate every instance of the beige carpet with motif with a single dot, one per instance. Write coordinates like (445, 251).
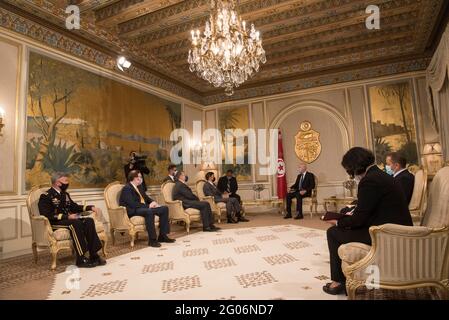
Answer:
(276, 262)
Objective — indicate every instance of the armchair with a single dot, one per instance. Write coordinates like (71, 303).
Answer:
(312, 201)
(118, 216)
(407, 257)
(43, 235)
(417, 204)
(175, 208)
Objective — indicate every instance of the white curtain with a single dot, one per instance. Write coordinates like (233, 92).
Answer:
(438, 91)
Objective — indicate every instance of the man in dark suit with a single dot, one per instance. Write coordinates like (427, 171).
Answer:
(228, 184)
(63, 213)
(171, 173)
(138, 203)
(380, 201)
(137, 162)
(182, 192)
(233, 208)
(302, 188)
(406, 180)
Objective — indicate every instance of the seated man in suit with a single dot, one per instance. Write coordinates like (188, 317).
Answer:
(232, 204)
(380, 201)
(228, 183)
(138, 203)
(397, 165)
(302, 188)
(182, 192)
(171, 173)
(62, 212)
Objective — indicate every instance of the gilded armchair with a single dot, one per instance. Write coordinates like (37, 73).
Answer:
(43, 235)
(312, 201)
(217, 208)
(176, 212)
(118, 216)
(406, 257)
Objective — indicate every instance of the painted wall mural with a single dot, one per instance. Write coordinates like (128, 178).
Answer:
(81, 123)
(235, 118)
(393, 122)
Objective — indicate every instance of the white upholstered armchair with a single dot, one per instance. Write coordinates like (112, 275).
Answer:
(44, 237)
(407, 257)
(176, 212)
(417, 204)
(217, 208)
(118, 216)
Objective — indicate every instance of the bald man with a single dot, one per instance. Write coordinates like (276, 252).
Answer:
(302, 188)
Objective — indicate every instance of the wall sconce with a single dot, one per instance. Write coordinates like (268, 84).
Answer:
(432, 157)
(2, 117)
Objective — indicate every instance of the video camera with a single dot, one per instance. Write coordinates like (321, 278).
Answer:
(138, 158)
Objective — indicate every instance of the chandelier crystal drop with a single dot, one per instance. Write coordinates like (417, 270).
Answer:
(228, 52)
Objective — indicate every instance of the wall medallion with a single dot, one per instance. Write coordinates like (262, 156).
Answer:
(307, 143)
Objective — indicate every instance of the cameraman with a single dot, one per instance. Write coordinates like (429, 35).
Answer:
(137, 162)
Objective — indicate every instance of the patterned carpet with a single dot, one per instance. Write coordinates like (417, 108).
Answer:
(279, 262)
(21, 278)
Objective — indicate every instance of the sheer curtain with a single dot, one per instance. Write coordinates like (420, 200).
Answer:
(438, 91)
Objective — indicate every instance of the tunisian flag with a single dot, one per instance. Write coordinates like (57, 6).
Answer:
(281, 179)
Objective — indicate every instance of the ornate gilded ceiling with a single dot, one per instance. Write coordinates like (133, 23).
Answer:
(304, 39)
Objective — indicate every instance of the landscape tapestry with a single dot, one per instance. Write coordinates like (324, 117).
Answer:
(235, 118)
(393, 123)
(86, 125)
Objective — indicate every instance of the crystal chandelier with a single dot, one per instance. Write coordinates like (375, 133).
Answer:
(227, 53)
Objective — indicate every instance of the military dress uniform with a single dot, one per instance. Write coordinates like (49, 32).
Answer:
(57, 206)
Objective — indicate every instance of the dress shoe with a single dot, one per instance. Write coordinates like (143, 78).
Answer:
(299, 216)
(154, 244)
(208, 229)
(165, 239)
(288, 216)
(84, 262)
(214, 228)
(242, 219)
(341, 288)
(232, 220)
(98, 261)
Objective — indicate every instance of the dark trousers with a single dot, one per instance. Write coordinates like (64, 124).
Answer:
(335, 238)
(83, 234)
(148, 214)
(235, 195)
(205, 211)
(299, 198)
(232, 207)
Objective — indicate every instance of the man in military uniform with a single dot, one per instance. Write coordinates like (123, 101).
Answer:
(62, 212)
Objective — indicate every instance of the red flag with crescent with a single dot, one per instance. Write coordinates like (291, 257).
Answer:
(281, 178)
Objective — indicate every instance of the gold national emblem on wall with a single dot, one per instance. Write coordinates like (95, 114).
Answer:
(307, 143)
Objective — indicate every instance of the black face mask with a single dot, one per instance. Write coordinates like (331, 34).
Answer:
(187, 178)
(213, 179)
(64, 186)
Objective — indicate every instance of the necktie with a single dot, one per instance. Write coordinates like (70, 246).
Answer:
(229, 186)
(142, 200)
(300, 181)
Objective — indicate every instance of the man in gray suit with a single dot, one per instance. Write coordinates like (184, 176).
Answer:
(181, 191)
(233, 209)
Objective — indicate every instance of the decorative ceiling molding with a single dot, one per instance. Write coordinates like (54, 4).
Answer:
(304, 40)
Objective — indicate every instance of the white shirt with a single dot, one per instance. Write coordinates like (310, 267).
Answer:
(172, 178)
(394, 176)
